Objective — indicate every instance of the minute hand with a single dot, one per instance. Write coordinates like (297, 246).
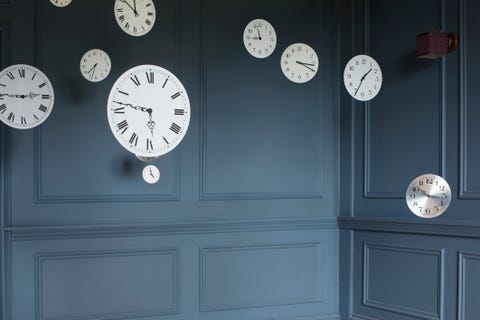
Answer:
(134, 107)
(306, 65)
(361, 80)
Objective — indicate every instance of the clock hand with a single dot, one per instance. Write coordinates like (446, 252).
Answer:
(306, 65)
(150, 123)
(132, 106)
(31, 95)
(361, 81)
(443, 197)
(135, 8)
(128, 4)
(151, 173)
(259, 35)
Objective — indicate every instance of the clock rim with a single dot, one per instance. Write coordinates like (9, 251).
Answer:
(49, 83)
(68, 3)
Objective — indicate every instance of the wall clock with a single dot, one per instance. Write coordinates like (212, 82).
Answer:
(61, 3)
(428, 196)
(148, 111)
(259, 38)
(95, 65)
(135, 17)
(151, 174)
(299, 63)
(26, 96)
(362, 77)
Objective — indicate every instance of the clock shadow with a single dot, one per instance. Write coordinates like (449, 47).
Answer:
(408, 64)
(126, 167)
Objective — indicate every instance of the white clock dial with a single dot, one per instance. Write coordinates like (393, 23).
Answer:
(151, 174)
(259, 38)
(26, 96)
(148, 111)
(299, 63)
(61, 3)
(95, 65)
(428, 196)
(135, 17)
(362, 77)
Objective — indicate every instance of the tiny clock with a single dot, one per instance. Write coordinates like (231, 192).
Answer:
(362, 77)
(259, 38)
(428, 196)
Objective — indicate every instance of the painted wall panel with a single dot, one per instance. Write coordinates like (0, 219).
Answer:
(469, 281)
(257, 146)
(268, 275)
(82, 285)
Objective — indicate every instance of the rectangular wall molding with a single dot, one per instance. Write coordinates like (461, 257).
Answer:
(390, 306)
(464, 258)
(259, 276)
(107, 284)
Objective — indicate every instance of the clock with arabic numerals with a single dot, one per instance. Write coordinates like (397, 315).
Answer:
(95, 65)
(135, 17)
(428, 196)
(362, 77)
(148, 111)
(299, 62)
(259, 38)
(26, 96)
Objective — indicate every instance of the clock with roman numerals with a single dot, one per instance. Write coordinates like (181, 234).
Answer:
(26, 96)
(148, 111)
(135, 17)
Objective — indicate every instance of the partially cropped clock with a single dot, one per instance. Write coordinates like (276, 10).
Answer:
(428, 196)
(95, 65)
(26, 96)
(61, 3)
(259, 38)
(135, 17)
(362, 77)
(299, 62)
(148, 111)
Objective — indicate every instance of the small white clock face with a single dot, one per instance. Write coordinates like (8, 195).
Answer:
(148, 111)
(95, 65)
(135, 17)
(428, 196)
(26, 96)
(362, 77)
(61, 3)
(259, 38)
(299, 63)
(151, 174)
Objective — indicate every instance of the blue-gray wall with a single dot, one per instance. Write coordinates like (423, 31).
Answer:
(242, 224)
(393, 264)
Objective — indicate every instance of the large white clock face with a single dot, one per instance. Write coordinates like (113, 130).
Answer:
(26, 96)
(61, 3)
(299, 63)
(362, 77)
(95, 65)
(259, 38)
(428, 196)
(148, 111)
(135, 17)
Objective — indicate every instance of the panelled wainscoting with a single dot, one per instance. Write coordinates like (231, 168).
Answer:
(393, 264)
(242, 224)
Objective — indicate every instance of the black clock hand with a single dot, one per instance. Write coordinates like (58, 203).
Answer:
(150, 123)
(92, 70)
(133, 107)
(259, 35)
(361, 81)
(128, 4)
(135, 8)
(306, 65)
(151, 173)
(431, 195)
(31, 95)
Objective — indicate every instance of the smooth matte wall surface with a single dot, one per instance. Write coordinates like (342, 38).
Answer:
(242, 224)
(395, 265)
